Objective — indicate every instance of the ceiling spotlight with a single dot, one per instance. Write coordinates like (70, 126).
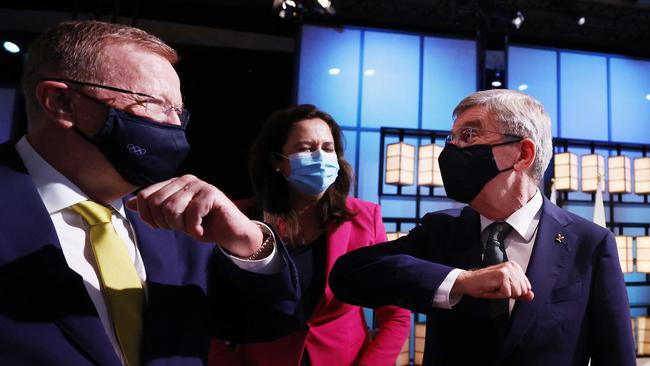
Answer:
(326, 4)
(370, 72)
(496, 84)
(334, 71)
(647, 97)
(288, 4)
(522, 87)
(582, 20)
(11, 47)
(518, 19)
(297, 9)
(287, 9)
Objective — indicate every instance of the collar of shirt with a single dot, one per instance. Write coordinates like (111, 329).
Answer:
(523, 220)
(56, 191)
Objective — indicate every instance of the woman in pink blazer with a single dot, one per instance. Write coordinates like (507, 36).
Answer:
(301, 182)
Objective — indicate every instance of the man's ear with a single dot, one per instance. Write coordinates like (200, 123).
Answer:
(527, 154)
(55, 99)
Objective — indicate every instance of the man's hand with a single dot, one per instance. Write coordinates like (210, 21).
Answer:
(504, 280)
(199, 209)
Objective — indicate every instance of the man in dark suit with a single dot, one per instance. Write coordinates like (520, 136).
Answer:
(510, 279)
(84, 281)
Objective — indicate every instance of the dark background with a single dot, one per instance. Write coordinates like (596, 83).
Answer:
(230, 93)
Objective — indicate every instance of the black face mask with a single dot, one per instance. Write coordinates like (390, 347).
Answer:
(143, 151)
(465, 171)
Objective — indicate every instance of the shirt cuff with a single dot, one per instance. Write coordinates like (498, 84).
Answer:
(270, 265)
(441, 298)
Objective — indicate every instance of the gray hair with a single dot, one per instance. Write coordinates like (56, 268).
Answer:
(519, 114)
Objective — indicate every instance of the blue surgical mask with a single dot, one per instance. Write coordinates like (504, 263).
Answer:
(313, 172)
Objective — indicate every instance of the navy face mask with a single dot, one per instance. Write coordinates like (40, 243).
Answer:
(143, 151)
(465, 171)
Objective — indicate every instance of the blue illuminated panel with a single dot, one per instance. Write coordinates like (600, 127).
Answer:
(391, 79)
(7, 102)
(350, 152)
(368, 169)
(583, 93)
(534, 72)
(449, 75)
(329, 71)
(630, 98)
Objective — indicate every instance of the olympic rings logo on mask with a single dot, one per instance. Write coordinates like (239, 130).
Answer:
(136, 150)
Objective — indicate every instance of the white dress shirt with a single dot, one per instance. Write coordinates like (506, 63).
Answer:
(58, 193)
(519, 247)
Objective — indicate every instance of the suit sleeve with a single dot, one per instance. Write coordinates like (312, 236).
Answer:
(394, 322)
(253, 307)
(398, 273)
(612, 342)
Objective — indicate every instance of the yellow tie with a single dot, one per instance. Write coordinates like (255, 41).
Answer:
(121, 284)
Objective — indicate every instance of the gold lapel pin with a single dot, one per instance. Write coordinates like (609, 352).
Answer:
(559, 238)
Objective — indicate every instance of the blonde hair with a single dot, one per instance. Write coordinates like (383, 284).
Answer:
(518, 114)
(76, 50)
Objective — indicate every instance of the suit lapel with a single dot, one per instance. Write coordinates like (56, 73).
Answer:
(466, 241)
(57, 293)
(547, 262)
(337, 245)
(156, 247)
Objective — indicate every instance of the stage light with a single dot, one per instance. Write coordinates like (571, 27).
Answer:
(288, 4)
(288, 9)
(522, 87)
(428, 167)
(370, 72)
(642, 175)
(643, 254)
(593, 172)
(647, 97)
(334, 71)
(326, 4)
(400, 164)
(624, 248)
(495, 81)
(518, 20)
(11, 47)
(566, 171)
(582, 21)
(618, 172)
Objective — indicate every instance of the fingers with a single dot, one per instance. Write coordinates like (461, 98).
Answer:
(162, 205)
(504, 280)
(529, 296)
(132, 204)
(142, 204)
(195, 212)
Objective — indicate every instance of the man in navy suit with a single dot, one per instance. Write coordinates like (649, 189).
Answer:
(106, 118)
(510, 279)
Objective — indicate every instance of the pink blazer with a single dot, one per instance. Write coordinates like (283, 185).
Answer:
(337, 333)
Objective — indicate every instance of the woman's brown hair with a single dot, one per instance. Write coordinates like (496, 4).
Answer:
(271, 190)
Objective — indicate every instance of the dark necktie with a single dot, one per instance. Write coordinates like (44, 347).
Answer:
(494, 252)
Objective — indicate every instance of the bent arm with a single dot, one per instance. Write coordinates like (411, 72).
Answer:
(396, 273)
